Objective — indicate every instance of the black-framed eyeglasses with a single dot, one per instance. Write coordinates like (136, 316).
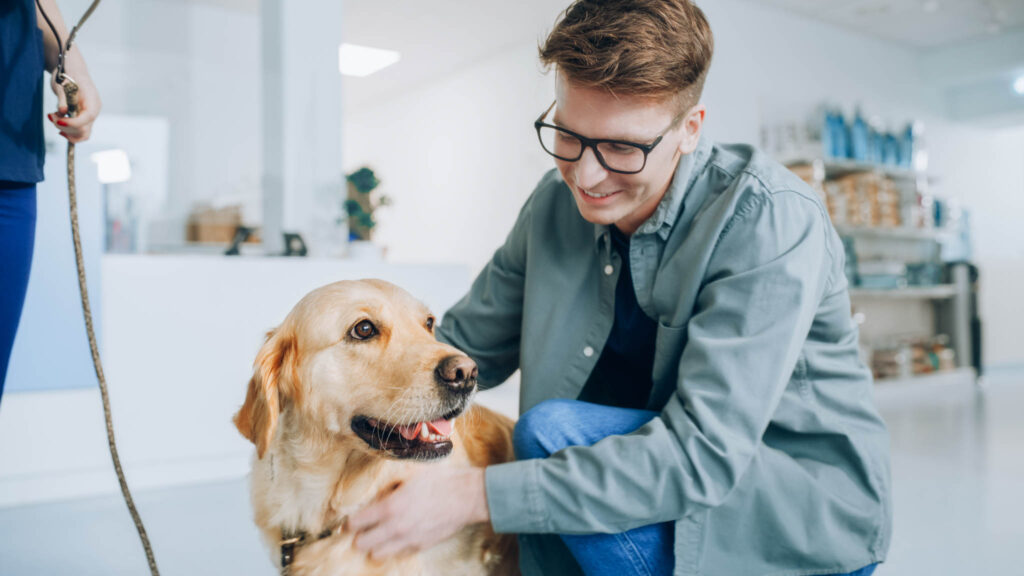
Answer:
(620, 156)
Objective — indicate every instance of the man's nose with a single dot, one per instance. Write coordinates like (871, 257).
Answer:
(589, 171)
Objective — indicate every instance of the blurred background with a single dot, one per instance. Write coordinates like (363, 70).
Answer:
(328, 139)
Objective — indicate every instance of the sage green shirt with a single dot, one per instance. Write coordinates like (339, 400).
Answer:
(768, 452)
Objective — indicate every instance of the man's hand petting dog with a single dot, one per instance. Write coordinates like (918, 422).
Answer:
(421, 511)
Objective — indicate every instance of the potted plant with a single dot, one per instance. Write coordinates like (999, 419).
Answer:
(360, 204)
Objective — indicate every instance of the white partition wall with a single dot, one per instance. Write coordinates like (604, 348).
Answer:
(301, 93)
(179, 337)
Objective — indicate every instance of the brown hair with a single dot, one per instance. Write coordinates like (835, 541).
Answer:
(656, 48)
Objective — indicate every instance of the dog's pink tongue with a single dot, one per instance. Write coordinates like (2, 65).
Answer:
(410, 432)
(442, 427)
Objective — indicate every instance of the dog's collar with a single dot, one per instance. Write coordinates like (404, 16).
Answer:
(292, 541)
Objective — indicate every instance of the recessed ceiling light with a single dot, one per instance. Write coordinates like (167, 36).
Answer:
(1018, 86)
(355, 60)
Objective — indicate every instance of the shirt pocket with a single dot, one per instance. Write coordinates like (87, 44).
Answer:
(668, 349)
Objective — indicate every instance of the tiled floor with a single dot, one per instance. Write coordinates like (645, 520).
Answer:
(958, 467)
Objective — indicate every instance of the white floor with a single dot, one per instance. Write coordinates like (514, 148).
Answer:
(958, 468)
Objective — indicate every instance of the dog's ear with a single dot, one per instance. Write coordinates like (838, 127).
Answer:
(272, 384)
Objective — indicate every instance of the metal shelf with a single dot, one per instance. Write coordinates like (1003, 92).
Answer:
(836, 168)
(902, 233)
(940, 292)
(948, 377)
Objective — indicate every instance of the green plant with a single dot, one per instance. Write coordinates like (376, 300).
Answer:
(360, 203)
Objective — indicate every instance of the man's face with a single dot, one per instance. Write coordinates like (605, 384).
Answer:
(605, 197)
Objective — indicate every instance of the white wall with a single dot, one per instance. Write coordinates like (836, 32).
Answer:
(196, 64)
(459, 155)
(984, 168)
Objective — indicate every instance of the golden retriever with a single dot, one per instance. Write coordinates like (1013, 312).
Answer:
(349, 395)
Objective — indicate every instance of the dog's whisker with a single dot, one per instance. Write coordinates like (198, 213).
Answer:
(397, 404)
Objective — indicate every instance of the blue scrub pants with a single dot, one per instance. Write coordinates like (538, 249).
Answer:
(17, 240)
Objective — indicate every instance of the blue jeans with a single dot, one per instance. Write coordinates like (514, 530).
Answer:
(17, 241)
(556, 424)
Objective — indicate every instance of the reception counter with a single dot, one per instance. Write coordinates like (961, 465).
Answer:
(179, 335)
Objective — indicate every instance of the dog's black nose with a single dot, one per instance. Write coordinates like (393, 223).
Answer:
(457, 373)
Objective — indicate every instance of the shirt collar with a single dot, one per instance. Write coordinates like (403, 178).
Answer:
(667, 212)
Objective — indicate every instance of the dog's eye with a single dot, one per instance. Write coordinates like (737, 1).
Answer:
(430, 323)
(363, 330)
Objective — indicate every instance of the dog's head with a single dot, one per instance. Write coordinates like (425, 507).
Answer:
(357, 362)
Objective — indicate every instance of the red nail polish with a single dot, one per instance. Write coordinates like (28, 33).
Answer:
(61, 123)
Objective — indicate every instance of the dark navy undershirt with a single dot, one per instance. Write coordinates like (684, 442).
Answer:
(622, 376)
(21, 93)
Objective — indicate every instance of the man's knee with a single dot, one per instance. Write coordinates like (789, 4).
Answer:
(540, 432)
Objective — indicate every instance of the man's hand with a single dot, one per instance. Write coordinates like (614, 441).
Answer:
(422, 511)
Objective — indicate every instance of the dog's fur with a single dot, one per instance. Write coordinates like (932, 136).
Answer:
(312, 379)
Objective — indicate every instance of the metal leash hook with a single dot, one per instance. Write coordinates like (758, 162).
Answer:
(70, 88)
(70, 93)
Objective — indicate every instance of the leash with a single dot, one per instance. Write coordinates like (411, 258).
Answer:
(291, 542)
(71, 93)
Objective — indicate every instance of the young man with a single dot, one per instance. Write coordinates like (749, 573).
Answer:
(692, 394)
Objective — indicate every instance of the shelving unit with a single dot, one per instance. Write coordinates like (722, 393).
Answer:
(899, 314)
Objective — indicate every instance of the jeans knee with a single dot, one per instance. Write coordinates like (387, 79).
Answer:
(538, 433)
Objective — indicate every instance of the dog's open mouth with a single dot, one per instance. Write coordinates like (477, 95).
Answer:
(427, 440)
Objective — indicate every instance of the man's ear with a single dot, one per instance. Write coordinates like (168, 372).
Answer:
(273, 382)
(692, 124)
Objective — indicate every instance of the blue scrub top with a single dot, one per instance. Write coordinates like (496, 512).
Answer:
(22, 149)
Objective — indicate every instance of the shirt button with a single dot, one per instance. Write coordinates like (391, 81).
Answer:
(588, 351)
(608, 270)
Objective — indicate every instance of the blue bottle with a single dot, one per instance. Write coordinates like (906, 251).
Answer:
(890, 150)
(859, 138)
(907, 147)
(874, 146)
(842, 137)
(828, 135)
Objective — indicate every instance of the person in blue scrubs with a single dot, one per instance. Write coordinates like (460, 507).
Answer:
(27, 49)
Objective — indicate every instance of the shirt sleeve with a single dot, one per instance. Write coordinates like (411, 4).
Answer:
(486, 323)
(765, 279)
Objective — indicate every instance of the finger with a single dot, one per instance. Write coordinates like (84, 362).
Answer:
(62, 99)
(79, 126)
(373, 539)
(77, 139)
(76, 124)
(367, 517)
(66, 128)
(392, 548)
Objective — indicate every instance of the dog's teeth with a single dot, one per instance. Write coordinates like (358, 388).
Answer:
(424, 432)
